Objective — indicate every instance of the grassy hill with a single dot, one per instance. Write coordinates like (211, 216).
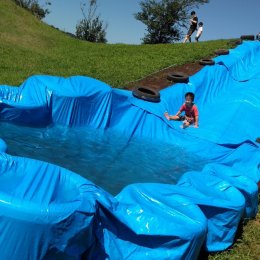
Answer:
(29, 46)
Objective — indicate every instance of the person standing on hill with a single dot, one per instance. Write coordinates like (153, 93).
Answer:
(193, 26)
(199, 32)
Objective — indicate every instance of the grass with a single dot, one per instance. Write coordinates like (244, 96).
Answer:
(29, 47)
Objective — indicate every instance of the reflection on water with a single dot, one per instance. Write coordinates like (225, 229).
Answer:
(108, 160)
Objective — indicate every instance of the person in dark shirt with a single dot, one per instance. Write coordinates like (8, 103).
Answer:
(193, 26)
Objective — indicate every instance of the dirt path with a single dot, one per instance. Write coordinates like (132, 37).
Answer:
(159, 79)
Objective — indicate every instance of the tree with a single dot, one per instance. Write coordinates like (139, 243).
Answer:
(34, 7)
(91, 27)
(165, 19)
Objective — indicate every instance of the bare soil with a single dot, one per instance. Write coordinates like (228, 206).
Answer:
(158, 80)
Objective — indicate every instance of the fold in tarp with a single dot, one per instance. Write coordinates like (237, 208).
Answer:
(222, 204)
(50, 212)
(46, 210)
(3, 146)
(240, 181)
(148, 223)
(243, 62)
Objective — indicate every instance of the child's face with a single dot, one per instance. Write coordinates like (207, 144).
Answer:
(188, 101)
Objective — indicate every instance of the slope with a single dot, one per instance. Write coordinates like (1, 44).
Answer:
(29, 47)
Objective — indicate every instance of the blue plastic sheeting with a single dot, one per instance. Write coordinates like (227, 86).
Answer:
(240, 181)
(239, 67)
(67, 216)
(75, 101)
(3, 146)
(148, 222)
(46, 211)
(222, 204)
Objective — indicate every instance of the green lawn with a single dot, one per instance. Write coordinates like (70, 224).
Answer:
(29, 47)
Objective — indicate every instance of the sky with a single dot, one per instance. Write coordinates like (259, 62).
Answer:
(223, 19)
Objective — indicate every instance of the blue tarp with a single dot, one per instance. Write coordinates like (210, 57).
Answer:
(49, 212)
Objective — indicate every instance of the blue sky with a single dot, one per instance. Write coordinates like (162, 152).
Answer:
(223, 19)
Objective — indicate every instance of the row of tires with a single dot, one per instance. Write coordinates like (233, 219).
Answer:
(152, 95)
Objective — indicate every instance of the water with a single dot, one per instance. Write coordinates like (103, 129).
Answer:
(108, 160)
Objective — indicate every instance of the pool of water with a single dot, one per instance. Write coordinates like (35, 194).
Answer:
(108, 160)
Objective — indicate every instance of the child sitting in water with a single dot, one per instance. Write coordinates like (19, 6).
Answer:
(190, 109)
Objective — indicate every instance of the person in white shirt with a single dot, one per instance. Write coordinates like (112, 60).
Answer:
(199, 32)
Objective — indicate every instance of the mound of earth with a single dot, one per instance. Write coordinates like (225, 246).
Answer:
(158, 80)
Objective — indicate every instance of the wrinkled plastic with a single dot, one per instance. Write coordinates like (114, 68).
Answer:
(222, 204)
(240, 181)
(149, 222)
(3, 146)
(49, 212)
(46, 210)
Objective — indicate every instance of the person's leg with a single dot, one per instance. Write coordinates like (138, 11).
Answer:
(192, 30)
(166, 114)
(186, 38)
(186, 124)
(175, 117)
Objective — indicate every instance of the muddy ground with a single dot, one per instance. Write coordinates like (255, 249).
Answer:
(158, 80)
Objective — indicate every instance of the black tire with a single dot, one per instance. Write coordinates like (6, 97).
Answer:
(247, 37)
(235, 42)
(178, 77)
(238, 42)
(206, 62)
(258, 140)
(147, 94)
(222, 52)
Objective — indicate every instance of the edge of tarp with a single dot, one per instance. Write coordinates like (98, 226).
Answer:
(75, 218)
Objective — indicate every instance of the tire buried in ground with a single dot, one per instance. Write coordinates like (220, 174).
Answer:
(247, 37)
(178, 77)
(222, 52)
(238, 42)
(146, 93)
(206, 62)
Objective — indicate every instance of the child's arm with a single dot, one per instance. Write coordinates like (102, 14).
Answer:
(178, 113)
(196, 123)
(196, 116)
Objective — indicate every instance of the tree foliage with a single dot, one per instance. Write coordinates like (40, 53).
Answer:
(34, 7)
(91, 27)
(165, 19)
